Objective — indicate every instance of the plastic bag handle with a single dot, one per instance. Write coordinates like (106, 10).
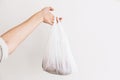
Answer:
(54, 20)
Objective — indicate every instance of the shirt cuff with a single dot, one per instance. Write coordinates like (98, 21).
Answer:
(3, 50)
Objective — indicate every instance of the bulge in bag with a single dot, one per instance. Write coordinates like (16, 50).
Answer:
(58, 58)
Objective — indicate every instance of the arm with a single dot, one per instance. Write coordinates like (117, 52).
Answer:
(16, 35)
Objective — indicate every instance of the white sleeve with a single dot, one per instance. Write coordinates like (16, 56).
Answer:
(3, 50)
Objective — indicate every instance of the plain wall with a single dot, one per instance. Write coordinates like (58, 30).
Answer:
(92, 26)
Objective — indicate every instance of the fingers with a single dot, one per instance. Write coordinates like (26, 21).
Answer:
(52, 20)
(51, 9)
(58, 19)
(48, 9)
(49, 17)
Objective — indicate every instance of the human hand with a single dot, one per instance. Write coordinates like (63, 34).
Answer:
(46, 16)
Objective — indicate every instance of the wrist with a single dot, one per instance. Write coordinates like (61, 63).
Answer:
(37, 18)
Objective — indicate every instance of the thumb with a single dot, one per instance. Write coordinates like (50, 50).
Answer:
(48, 9)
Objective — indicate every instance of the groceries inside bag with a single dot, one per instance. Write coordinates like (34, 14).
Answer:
(58, 57)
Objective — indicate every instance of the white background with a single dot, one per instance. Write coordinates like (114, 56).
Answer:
(92, 26)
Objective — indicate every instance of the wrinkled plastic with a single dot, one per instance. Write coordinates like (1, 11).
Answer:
(58, 57)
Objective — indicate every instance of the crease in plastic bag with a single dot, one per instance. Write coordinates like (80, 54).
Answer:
(58, 57)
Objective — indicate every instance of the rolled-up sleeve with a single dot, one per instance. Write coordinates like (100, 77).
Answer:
(3, 50)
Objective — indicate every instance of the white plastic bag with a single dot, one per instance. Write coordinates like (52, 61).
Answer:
(58, 58)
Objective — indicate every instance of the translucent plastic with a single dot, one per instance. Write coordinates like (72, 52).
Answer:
(58, 57)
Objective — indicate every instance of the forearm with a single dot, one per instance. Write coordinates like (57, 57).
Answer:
(17, 34)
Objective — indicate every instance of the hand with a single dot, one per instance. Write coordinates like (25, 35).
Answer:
(47, 16)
